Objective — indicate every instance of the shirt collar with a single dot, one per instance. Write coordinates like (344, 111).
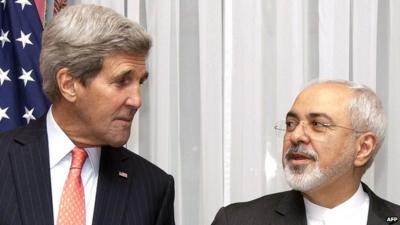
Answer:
(60, 145)
(345, 208)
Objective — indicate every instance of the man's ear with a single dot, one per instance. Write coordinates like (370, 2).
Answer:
(66, 84)
(366, 147)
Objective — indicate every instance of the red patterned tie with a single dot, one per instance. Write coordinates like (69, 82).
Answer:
(72, 204)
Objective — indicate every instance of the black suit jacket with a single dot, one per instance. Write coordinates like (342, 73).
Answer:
(287, 208)
(145, 197)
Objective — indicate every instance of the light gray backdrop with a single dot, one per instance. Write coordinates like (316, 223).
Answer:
(222, 72)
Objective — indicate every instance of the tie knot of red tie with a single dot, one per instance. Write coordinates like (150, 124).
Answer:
(78, 158)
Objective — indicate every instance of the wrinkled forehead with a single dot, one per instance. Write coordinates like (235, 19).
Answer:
(329, 99)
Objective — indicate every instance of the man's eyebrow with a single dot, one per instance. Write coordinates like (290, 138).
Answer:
(318, 115)
(128, 72)
(312, 115)
(292, 114)
(123, 73)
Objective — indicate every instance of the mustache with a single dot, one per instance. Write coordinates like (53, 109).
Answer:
(301, 150)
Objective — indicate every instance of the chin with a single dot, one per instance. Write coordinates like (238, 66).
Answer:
(117, 143)
(304, 178)
(117, 138)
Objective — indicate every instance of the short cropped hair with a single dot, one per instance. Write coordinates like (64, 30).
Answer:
(80, 37)
(366, 110)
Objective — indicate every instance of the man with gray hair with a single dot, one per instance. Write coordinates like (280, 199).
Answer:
(331, 135)
(70, 167)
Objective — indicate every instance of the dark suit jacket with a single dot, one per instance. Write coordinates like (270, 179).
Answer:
(145, 197)
(287, 208)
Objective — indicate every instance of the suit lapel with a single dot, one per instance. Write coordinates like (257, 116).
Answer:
(112, 187)
(31, 171)
(291, 210)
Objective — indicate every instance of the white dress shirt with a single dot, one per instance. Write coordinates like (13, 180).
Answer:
(60, 147)
(354, 211)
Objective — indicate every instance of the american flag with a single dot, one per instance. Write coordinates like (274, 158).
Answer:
(21, 96)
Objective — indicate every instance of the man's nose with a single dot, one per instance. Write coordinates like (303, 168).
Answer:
(134, 97)
(300, 134)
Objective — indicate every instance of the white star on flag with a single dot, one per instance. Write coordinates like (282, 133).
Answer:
(26, 76)
(4, 3)
(3, 76)
(4, 38)
(23, 3)
(29, 115)
(3, 113)
(20, 80)
(24, 39)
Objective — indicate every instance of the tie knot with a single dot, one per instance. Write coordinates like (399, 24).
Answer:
(78, 158)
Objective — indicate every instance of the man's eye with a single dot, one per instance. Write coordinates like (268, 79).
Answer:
(122, 81)
(319, 126)
(291, 125)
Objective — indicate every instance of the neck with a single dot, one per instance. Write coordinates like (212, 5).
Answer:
(67, 119)
(333, 194)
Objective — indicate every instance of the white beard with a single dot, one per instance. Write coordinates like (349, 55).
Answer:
(306, 177)
(306, 180)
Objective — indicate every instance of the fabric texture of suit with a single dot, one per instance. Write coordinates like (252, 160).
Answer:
(144, 197)
(287, 208)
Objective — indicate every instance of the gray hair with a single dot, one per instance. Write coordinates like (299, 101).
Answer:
(366, 109)
(80, 37)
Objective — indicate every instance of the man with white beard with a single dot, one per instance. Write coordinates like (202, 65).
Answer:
(331, 135)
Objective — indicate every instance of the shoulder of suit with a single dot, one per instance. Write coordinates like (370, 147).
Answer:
(394, 207)
(28, 132)
(21, 135)
(380, 203)
(266, 202)
(6, 135)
